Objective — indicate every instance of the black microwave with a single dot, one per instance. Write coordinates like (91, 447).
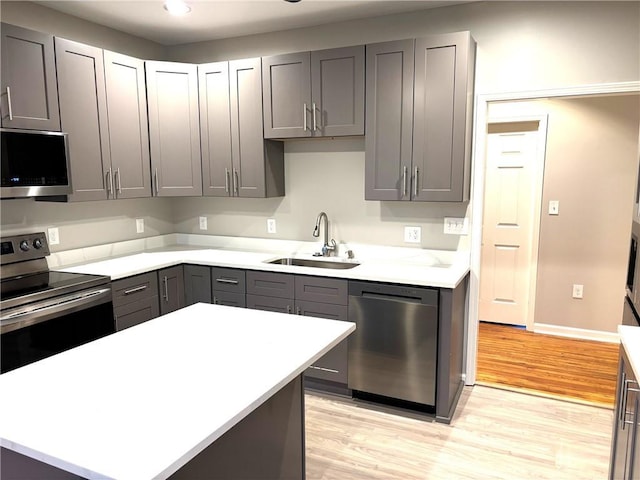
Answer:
(34, 163)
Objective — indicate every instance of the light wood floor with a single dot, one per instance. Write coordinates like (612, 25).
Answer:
(495, 434)
(580, 370)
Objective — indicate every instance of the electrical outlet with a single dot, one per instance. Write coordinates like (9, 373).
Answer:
(456, 226)
(577, 290)
(139, 225)
(203, 223)
(412, 234)
(271, 225)
(554, 207)
(53, 236)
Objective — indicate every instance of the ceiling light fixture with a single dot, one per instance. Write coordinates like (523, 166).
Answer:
(176, 7)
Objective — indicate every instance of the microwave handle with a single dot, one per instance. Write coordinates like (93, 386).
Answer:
(9, 104)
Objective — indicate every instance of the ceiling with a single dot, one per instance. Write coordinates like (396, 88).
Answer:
(214, 19)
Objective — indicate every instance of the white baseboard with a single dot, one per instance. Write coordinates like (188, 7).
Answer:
(580, 333)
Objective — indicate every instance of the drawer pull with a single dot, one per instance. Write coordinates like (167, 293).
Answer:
(136, 289)
(330, 370)
(227, 280)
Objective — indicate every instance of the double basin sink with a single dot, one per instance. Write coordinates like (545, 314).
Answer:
(304, 262)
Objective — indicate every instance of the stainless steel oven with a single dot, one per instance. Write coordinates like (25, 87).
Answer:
(46, 312)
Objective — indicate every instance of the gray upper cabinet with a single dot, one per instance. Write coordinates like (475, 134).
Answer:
(174, 131)
(236, 160)
(389, 120)
(83, 114)
(443, 96)
(29, 87)
(319, 93)
(419, 112)
(130, 175)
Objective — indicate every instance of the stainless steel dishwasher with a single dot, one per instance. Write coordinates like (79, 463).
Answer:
(393, 351)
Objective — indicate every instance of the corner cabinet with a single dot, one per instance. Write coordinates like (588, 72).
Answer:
(236, 160)
(625, 443)
(419, 114)
(29, 97)
(314, 94)
(174, 129)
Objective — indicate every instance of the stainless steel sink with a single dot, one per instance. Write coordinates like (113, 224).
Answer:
(303, 262)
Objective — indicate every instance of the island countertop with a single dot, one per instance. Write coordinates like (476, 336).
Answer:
(141, 403)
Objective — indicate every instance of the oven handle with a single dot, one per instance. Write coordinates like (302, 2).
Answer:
(58, 306)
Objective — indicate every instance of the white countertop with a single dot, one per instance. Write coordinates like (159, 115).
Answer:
(384, 264)
(630, 339)
(141, 403)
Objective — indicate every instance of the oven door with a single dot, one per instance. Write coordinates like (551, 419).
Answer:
(36, 331)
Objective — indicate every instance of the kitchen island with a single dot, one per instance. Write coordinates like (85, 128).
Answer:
(204, 389)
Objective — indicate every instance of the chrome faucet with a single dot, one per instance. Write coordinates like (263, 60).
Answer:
(326, 247)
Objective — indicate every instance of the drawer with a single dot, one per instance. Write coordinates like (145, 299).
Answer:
(137, 312)
(270, 304)
(323, 290)
(322, 310)
(229, 299)
(133, 289)
(228, 280)
(332, 366)
(270, 284)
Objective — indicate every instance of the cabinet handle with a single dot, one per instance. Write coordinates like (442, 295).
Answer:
(9, 104)
(298, 312)
(236, 181)
(136, 289)
(315, 124)
(625, 394)
(288, 308)
(227, 280)
(404, 181)
(109, 183)
(330, 370)
(304, 117)
(165, 280)
(226, 180)
(415, 184)
(215, 300)
(118, 183)
(155, 181)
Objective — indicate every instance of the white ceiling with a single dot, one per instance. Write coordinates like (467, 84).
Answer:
(214, 19)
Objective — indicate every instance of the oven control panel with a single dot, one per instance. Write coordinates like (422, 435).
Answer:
(19, 248)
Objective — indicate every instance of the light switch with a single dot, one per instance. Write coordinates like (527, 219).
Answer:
(271, 225)
(53, 236)
(203, 223)
(139, 225)
(554, 207)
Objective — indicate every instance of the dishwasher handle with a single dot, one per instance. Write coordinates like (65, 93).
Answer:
(390, 298)
(398, 293)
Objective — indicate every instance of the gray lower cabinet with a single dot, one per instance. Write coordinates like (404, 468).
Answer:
(625, 444)
(129, 174)
(419, 113)
(270, 304)
(174, 128)
(228, 287)
(171, 289)
(29, 97)
(236, 159)
(83, 115)
(314, 94)
(135, 300)
(270, 284)
(197, 284)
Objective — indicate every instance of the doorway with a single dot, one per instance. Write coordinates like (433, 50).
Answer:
(511, 219)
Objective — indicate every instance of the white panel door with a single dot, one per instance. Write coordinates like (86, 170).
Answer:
(508, 222)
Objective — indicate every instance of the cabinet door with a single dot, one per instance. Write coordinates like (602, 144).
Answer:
(337, 91)
(228, 280)
(174, 128)
(134, 289)
(442, 117)
(221, 297)
(332, 365)
(29, 86)
(389, 79)
(625, 422)
(215, 129)
(137, 312)
(197, 284)
(83, 115)
(171, 282)
(287, 95)
(270, 304)
(128, 125)
(322, 290)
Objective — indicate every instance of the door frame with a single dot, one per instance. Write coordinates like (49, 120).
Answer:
(478, 166)
(536, 199)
